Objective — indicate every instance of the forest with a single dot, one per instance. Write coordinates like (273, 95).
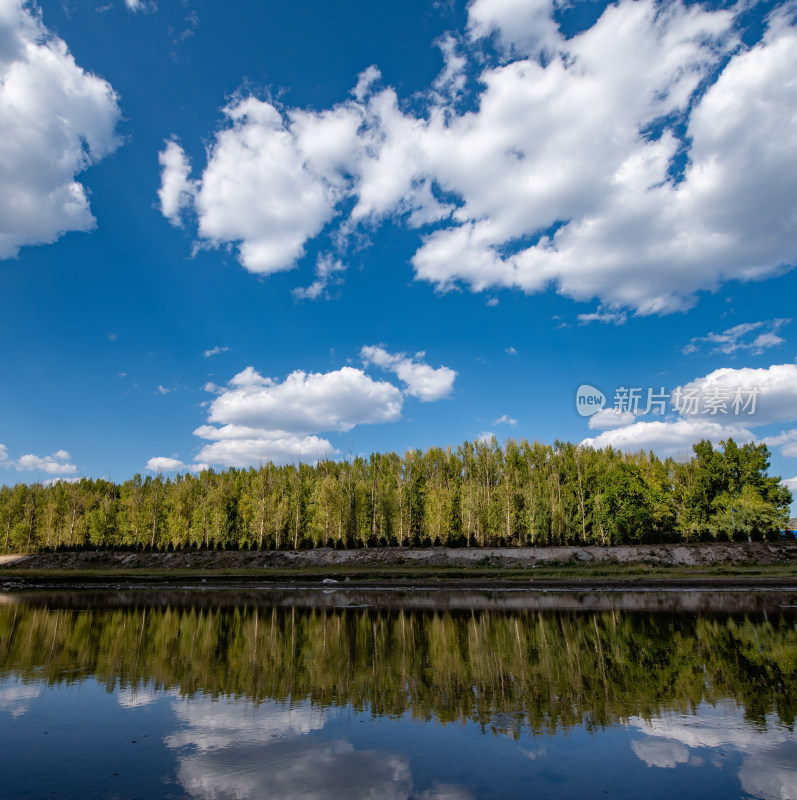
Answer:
(480, 494)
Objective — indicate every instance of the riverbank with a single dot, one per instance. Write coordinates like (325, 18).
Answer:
(715, 565)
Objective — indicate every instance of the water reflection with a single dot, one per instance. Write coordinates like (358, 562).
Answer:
(266, 753)
(768, 751)
(258, 700)
(16, 696)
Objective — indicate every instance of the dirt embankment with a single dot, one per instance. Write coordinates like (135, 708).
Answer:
(661, 555)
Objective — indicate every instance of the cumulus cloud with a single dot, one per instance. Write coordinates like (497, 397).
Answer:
(560, 147)
(671, 438)
(177, 190)
(754, 337)
(57, 120)
(57, 463)
(232, 447)
(790, 484)
(725, 403)
(422, 381)
(504, 420)
(255, 419)
(272, 181)
(786, 440)
(165, 464)
(451, 81)
(563, 174)
(610, 418)
(521, 26)
(769, 394)
(54, 481)
(305, 402)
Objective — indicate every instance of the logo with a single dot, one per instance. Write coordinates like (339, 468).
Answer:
(589, 400)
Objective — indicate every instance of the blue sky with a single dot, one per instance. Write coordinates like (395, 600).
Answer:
(248, 231)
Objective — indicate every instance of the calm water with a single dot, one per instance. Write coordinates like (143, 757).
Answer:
(417, 695)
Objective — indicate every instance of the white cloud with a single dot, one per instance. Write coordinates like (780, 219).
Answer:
(774, 387)
(365, 81)
(272, 181)
(255, 419)
(784, 438)
(610, 418)
(562, 142)
(753, 336)
(307, 402)
(3, 452)
(773, 390)
(231, 448)
(562, 174)
(525, 26)
(511, 351)
(424, 382)
(604, 315)
(485, 437)
(451, 81)
(328, 271)
(214, 351)
(504, 420)
(790, 484)
(672, 438)
(177, 190)
(55, 464)
(54, 481)
(164, 464)
(57, 120)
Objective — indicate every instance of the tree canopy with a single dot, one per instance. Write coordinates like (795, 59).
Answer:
(481, 494)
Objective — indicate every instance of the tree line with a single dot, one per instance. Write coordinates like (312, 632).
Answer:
(480, 494)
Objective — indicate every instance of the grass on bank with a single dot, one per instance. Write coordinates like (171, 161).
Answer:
(635, 573)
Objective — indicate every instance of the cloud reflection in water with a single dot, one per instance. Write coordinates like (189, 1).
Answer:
(769, 757)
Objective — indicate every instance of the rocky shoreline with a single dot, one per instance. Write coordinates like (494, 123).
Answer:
(658, 555)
